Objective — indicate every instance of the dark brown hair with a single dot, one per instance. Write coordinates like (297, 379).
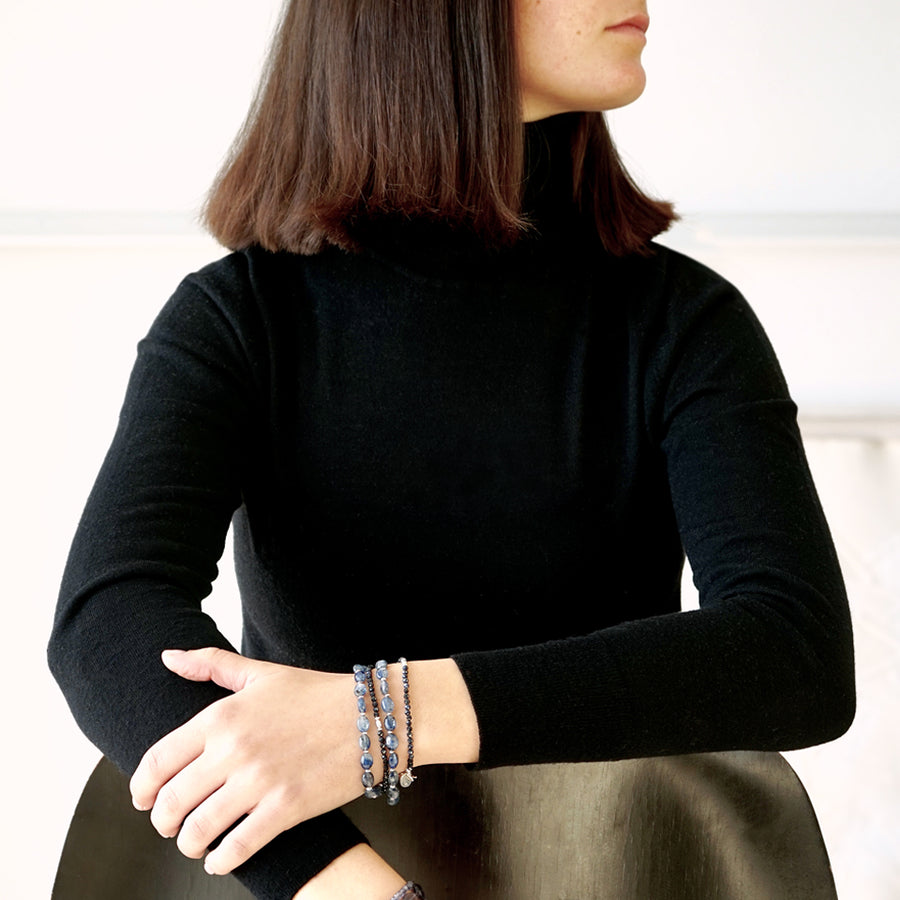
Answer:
(411, 107)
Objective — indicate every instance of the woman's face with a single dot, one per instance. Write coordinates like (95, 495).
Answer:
(578, 55)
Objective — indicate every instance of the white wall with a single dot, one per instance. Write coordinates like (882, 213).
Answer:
(772, 106)
(751, 104)
(753, 107)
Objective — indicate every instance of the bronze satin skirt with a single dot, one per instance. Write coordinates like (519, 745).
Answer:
(717, 826)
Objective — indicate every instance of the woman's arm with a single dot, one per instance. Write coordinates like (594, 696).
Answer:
(280, 749)
(767, 662)
(145, 552)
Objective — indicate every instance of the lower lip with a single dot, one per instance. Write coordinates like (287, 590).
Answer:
(632, 30)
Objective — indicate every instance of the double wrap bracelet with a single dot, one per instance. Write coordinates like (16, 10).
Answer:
(385, 731)
(409, 891)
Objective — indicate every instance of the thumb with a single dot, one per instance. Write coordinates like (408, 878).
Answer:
(228, 670)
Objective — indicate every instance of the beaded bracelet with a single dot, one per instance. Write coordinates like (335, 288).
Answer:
(385, 729)
(407, 778)
(391, 741)
(360, 689)
(377, 790)
(409, 891)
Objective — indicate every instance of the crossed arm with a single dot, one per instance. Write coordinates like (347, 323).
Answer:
(282, 749)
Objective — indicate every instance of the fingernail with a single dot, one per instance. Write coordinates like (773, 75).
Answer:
(208, 867)
(173, 654)
(138, 806)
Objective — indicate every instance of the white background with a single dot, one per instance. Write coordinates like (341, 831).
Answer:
(773, 125)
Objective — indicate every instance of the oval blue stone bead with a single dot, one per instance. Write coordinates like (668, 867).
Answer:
(360, 675)
(360, 690)
(385, 687)
(364, 742)
(392, 742)
(387, 704)
(393, 796)
(362, 723)
(366, 761)
(368, 779)
(393, 779)
(393, 760)
(361, 704)
(373, 793)
(390, 723)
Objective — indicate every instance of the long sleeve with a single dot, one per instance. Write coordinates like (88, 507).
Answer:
(145, 555)
(767, 661)
(524, 442)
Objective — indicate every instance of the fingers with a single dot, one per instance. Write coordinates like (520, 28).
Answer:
(211, 818)
(263, 824)
(183, 794)
(228, 670)
(163, 761)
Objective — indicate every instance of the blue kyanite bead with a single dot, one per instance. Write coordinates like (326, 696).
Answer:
(387, 704)
(390, 723)
(393, 779)
(385, 687)
(361, 704)
(362, 723)
(381, 664)
(393, 760)
(364, 742)
(391, 741)
(359, 675)
(373, 793)
(366, 761)
(368, 779)
(393, 796)
(360, 689)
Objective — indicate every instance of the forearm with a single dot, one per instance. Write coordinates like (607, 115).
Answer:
(445, 731)
(358, 874)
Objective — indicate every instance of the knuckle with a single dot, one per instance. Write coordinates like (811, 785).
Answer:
(288, 797)
(193, 839)
(152, 761)
(169, 800)
(240, 750)
(238, 850)
(221, 714)
(166, 811)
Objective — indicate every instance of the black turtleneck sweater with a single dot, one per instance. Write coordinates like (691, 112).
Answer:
(431, 449)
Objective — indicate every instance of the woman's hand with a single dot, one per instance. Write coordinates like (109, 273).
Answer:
(282, 749)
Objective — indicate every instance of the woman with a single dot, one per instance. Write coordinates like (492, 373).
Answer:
(445, 369)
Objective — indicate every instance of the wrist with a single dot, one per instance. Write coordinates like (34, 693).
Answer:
(444, 721)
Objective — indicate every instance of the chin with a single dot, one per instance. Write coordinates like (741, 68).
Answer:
(612, 93)
(627, 91)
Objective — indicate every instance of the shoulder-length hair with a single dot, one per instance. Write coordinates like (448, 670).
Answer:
(368, 107)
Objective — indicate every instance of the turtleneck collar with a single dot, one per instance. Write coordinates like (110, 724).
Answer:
(433, 248)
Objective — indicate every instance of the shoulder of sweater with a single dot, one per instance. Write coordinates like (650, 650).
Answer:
(673, 275)
(666, 290)
(237, 274)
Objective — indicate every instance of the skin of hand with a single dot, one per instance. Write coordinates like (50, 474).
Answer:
(255, 754)
(281, 749)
